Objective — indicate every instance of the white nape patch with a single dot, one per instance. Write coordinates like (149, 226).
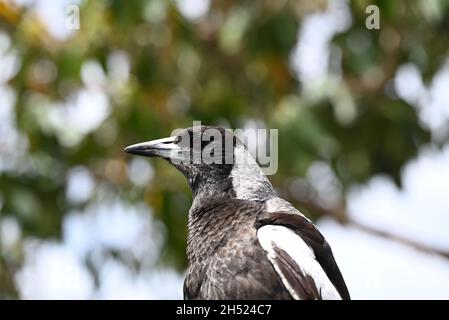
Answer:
(247, 177)
(301, 253)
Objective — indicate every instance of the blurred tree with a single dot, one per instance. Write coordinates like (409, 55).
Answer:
(229, 67)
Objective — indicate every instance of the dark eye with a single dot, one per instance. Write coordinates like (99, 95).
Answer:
(184, 140)
(177, 139)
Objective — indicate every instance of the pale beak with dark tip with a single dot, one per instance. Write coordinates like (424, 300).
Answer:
(165, 148)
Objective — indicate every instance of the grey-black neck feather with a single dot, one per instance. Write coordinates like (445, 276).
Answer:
(243, 179)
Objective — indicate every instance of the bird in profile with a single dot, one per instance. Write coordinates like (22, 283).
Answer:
(244, 242)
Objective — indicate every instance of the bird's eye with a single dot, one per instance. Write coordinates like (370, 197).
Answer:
(177, 139)
(183, 140)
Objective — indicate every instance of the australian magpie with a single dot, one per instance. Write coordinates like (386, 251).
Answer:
(244, 242)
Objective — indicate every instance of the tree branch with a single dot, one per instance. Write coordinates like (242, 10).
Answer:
(340, 215)
(403, 240)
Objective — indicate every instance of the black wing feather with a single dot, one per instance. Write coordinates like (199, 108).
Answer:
(303, 283)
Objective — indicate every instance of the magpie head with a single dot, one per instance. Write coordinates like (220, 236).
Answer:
(213, 160)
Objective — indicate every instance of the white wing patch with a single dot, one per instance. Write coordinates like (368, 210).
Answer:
(301, 253)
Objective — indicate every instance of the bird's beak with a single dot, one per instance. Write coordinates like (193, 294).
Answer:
(163, 148)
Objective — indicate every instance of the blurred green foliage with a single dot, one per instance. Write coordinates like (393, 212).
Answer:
(227, 68)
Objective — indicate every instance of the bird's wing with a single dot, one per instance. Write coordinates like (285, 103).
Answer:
(301, 257)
